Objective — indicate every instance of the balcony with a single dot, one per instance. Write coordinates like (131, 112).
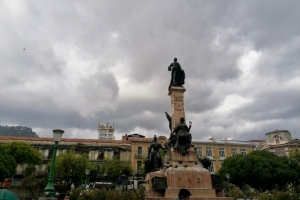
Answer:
(138, 155)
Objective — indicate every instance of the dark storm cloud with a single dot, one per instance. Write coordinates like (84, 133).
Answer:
(103, 61)
(272, 104)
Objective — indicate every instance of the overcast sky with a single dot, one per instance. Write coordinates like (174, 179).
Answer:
(71, 64)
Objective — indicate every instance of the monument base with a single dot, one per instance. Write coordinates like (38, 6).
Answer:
(47, 198)
(182, 172)
(194, 198)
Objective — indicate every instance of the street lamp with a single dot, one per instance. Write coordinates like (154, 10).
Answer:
(228, 176)
(87, 172)
(49, 190)
(133, 177)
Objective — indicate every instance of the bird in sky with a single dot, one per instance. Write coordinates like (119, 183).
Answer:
(24, 49)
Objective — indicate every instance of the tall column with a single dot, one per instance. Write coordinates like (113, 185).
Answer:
(177, 104)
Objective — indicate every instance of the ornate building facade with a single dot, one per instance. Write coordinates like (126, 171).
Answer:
(279, 142)
(218, 150)
(131, 148)
(96, 150)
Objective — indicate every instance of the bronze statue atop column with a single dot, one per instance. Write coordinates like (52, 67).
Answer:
(177, 74)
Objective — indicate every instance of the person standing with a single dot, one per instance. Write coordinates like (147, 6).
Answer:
(183, 194)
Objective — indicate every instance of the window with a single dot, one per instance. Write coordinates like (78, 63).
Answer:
(243, 152)
(39, 168)
(139, 166)
(139, 151)
(208, 152)
(211, 168)
(199, 152)
(44, 153)
(277, 140)
(233, 152)
(279, 151)
(221, 153)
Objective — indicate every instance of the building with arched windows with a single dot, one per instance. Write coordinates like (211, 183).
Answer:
(279, 142)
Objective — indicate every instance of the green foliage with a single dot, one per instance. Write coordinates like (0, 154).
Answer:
(295, 155)
(30, 169)
(70, 167)
(162, 154)
(23, 153)
(32, 183)
(93, 173)
(114, 168)
(143, 168)
(17, 131)
(261, 170)
(278, 195)
(96, 194)
(235, 192)
(7, 164)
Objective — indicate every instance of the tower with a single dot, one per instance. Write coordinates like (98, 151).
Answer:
(106, 131)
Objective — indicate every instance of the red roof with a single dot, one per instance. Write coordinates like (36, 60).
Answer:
(62, 139)
(257, 141)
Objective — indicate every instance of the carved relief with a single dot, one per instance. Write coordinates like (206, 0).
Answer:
(196, 180)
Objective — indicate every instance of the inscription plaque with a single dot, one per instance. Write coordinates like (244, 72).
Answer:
(159, 183)
(217, 181)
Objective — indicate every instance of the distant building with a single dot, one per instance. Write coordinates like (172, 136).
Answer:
(139, 149)
(218, 150)
(279, 142)
(106, 132)
(96, 150)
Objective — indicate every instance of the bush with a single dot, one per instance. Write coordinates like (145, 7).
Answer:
(235, 192)
(279, 195)
(96, 194)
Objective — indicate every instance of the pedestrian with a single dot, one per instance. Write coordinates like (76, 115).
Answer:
(183, 194)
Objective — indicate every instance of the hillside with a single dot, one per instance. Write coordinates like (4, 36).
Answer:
(17, 131)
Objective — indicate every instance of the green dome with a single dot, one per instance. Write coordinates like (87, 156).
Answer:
(7, 195)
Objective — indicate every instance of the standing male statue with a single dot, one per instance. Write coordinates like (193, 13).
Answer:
(177, 74)
(154, 161)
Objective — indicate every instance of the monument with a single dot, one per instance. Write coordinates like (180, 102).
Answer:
(181, 168)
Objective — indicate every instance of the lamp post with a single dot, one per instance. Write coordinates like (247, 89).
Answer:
(49, 190)
(133, 177)
(87, 172)
(228, 176)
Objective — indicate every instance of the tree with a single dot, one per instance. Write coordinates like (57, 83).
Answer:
(17, 131)
(70, 167)
(32, 182)
(261, 170)
(7, 165)
(23, 153)
(295, 154)
(114, 168)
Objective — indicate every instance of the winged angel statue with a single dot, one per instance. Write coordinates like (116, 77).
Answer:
(180, 137)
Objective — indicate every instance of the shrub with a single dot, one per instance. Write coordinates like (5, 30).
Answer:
(97, 194)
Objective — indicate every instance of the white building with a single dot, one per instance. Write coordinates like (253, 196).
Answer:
(106, 132)
(279, 142)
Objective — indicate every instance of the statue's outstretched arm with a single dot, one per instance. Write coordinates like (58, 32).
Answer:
(190, 126)
(170, 67)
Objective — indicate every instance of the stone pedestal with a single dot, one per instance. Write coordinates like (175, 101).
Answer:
(184, 172)
(177, 104)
